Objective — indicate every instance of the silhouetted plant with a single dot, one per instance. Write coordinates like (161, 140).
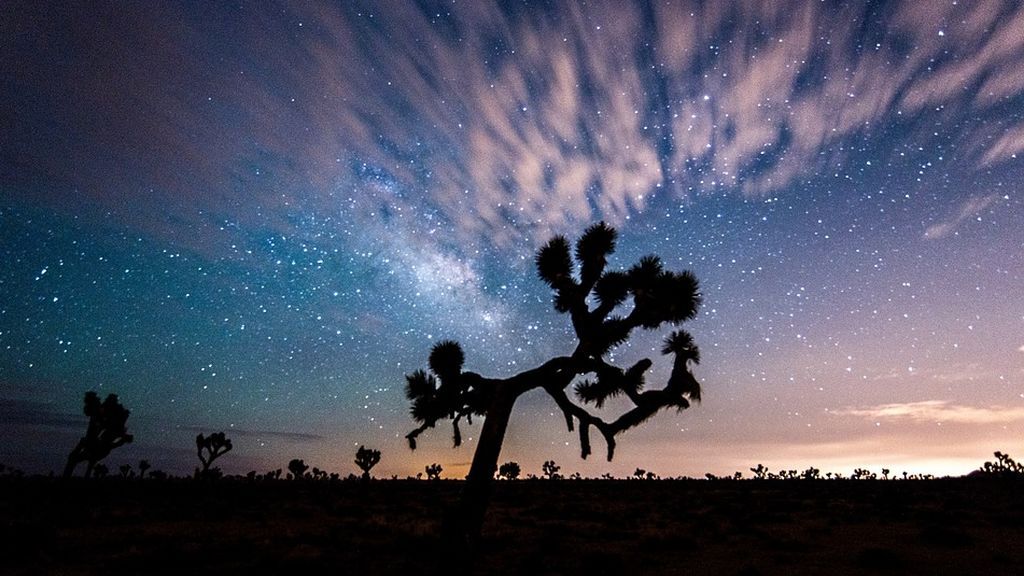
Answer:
(433, 472)
(885, 473)
(1004, 466)
(863, 474)
(550, 470)
(100, 471)
(296, 469)
(590, 296)
(106, 431)
(143, 468)
(509, 471)
(126, 471)
(811, 473)
(209, 449)
(760, 473)
(366, 459)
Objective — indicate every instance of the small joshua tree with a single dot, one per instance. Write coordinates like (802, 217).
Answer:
(1004, 467)
(367, 458)
(143, 468)
(209, 448)
(550, 470)
(433, 472)
(590, 295)
(107, 430)
(509, 471)
(296, 469)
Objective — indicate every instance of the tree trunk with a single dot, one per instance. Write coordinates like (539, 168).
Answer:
(463, 527)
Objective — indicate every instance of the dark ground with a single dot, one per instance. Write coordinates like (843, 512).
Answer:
(954, 526)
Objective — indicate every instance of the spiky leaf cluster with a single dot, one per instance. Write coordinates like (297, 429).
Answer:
(446, 359)
(554, 265)
(443, 393)
(592, 249)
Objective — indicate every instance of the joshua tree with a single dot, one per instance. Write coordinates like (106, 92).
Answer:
(550, 470)
(590, 296)
(143, 467)
(107, 430)
(434, 472)
(1004, 466)
(296, 469)
(366, 459)
(509, 471)
(209, 449)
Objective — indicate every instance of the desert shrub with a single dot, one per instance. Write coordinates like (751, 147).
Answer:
(509, 471)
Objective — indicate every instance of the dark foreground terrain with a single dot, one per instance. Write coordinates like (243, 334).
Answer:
(957, 526)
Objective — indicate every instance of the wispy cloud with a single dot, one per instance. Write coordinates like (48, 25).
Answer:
(506, 122)
(937, 411)
(969, 209)
(31, 413)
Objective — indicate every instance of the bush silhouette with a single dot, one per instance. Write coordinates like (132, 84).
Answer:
(209, 448)
(509, 471)
(107, 430)
(590, 296)
(366, 459)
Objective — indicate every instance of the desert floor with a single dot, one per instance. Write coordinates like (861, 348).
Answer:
(948, 526)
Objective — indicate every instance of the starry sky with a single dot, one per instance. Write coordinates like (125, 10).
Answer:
(257, 217)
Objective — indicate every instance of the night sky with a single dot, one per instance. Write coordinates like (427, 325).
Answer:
(257, 217)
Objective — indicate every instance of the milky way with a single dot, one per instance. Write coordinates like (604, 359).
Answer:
(258, 218)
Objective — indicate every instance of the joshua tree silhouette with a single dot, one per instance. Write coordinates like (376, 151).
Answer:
(658, 297)
(550, 470)
(433, 471)
(297, 469)
(366, 459)
(209, 448)
(107, 430)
